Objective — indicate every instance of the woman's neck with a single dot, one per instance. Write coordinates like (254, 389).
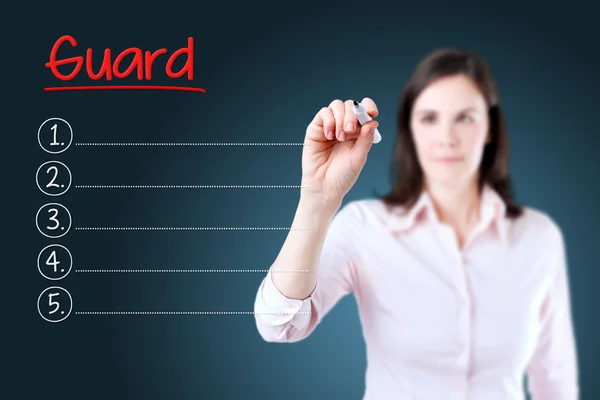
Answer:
(457, 206)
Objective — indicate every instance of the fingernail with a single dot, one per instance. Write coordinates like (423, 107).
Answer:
(350, 127)
(371, 109)
(329, 135)
(342, 136)
(373, 128)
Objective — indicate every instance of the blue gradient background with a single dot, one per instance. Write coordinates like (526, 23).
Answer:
(267, 68)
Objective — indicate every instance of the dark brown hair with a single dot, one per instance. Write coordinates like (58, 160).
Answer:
(406, 172)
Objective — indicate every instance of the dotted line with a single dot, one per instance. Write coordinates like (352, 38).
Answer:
(189, 270)
(191, 144)
(190, 187)
(184, 228)
(183, 313)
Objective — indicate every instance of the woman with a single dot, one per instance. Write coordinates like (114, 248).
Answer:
(461, 290)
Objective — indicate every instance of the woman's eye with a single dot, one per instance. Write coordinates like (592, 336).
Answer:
(465, 118)
(428, 119)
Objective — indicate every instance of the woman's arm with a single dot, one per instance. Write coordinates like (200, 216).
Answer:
(552, 373)
(328, 251)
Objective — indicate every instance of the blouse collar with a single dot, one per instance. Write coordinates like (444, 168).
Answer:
(492, 213)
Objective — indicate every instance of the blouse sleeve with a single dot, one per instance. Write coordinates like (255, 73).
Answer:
(282, 319)
(552, 373)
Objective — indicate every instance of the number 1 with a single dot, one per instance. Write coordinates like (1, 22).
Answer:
(54, 129)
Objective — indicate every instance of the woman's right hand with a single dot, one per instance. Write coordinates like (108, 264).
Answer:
(335, 150)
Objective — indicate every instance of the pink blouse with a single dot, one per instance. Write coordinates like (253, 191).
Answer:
(441, 323)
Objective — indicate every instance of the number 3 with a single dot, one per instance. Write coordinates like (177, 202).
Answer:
(53, 218)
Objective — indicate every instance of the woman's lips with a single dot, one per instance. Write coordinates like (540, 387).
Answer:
(449, 160)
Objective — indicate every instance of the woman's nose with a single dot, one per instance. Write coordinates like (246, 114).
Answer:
(447, 136)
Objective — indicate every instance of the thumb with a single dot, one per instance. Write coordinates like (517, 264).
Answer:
(365, 140)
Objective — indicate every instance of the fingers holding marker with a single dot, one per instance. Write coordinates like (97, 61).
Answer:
(370, 106)
(343, 121)
(328, 123)
(337, 108)
(365, 138)
(363, 116)
(317, 129)
(351, 126)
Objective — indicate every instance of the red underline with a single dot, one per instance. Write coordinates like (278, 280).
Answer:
(117, 87)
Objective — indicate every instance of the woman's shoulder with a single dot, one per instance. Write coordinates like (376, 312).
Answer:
(538, 225)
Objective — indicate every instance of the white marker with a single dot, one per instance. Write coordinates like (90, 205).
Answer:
(363, 118)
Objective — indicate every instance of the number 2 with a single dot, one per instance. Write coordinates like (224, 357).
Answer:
(51, 183)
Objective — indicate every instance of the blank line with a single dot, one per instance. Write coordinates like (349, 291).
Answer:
(189, 271)
(185, 228)
(184, 313)
(190, 187)
(190, 144)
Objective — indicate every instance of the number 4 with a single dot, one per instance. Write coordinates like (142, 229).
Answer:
(52, 260)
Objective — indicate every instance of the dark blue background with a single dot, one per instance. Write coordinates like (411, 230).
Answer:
(267, 69)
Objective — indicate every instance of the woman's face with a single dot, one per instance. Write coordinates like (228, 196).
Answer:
(450, 127)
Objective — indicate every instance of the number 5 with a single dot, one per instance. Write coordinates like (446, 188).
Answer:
(51, 303)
